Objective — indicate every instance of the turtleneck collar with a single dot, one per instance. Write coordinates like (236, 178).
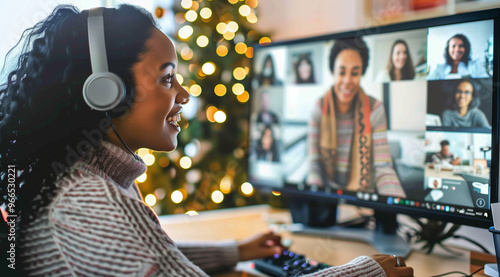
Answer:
(111, 162)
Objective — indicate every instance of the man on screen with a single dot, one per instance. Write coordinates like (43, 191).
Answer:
(445, 157)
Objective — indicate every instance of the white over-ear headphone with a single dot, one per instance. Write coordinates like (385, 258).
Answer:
(102, 90)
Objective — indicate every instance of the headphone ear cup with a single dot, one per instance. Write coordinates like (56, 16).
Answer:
(126, 103)
(103, 91)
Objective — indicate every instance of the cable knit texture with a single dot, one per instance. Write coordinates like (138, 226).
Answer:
(97, 225)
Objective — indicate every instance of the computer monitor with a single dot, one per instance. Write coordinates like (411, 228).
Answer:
(399, 118)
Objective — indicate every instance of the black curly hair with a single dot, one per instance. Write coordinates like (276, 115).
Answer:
(44, 123)
(355, 43)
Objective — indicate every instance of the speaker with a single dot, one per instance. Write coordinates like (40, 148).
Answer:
(103, 90)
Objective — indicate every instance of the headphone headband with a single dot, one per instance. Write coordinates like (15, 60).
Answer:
(102, 90)
(97, 44)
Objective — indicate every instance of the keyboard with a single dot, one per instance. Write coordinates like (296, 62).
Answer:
(288, 264)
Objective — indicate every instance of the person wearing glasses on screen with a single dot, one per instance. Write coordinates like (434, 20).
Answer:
(400, 64)
(79, 211)
(463, 107)
(458, 62)
(348, 146)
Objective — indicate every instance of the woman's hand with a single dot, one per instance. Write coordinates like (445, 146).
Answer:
(260, 246)
(390, 265)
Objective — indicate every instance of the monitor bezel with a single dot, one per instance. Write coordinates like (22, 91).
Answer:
(492, 14)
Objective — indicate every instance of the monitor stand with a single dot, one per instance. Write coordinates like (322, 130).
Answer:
(319, 219)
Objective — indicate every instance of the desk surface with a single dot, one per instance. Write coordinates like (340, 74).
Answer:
(243, 222)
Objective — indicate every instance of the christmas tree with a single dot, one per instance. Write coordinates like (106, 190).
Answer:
(208, 169)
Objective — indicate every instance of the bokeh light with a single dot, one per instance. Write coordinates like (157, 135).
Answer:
(191, 15)
(191, 213)
(176, 196)
(163, 161)
(195, 90)
(211, 110)
(264, 41)
(185, 32)
(202, 41)
(252, 18)
(221, 28)
(247, 188)
(187, 53)
(142, 152)
(249, 52)
(208, 68)
(232, 26)
(217, 196)
(179, 78)
(239, 73)
(185, 162)
(142, 178)
(222, 50)
(240, 48)
(220, 90)
(149, 159)
(186, 4)
(238, 89)
(206, 13)
(244, 97)
(220, 116)
(252, 3)
(276, 193)
(225, 185)
(150, 200)
(228, 35)
(244, 10)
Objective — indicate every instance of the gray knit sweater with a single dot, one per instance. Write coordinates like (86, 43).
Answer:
(97, 225)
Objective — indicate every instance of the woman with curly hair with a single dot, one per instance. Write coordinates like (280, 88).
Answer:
(79, 211)
(458, 62)
(463, 108)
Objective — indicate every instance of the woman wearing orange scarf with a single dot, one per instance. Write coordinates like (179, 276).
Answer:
(347, 139)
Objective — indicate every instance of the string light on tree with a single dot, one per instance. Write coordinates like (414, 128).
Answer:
(208, 68)
(191, 15)
(238, 89)
(220, 90)
(217, 196)
(186, 4)
(149, 159)
(176, 196)
(206, 13)
(150, 200)
(185, 162)
(244, 97)
(185, 32)
(142, 178)
(212, 43)
(220, 116)
(222, 50)
(244, 10)
(202, 41)
(195, 90)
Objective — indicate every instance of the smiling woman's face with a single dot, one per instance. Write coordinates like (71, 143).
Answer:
(152, 120)
(347, 75)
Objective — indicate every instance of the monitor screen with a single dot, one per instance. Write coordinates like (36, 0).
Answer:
(402, 115)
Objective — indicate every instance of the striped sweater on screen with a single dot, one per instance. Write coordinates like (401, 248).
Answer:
(385, 180)
(97, 225)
